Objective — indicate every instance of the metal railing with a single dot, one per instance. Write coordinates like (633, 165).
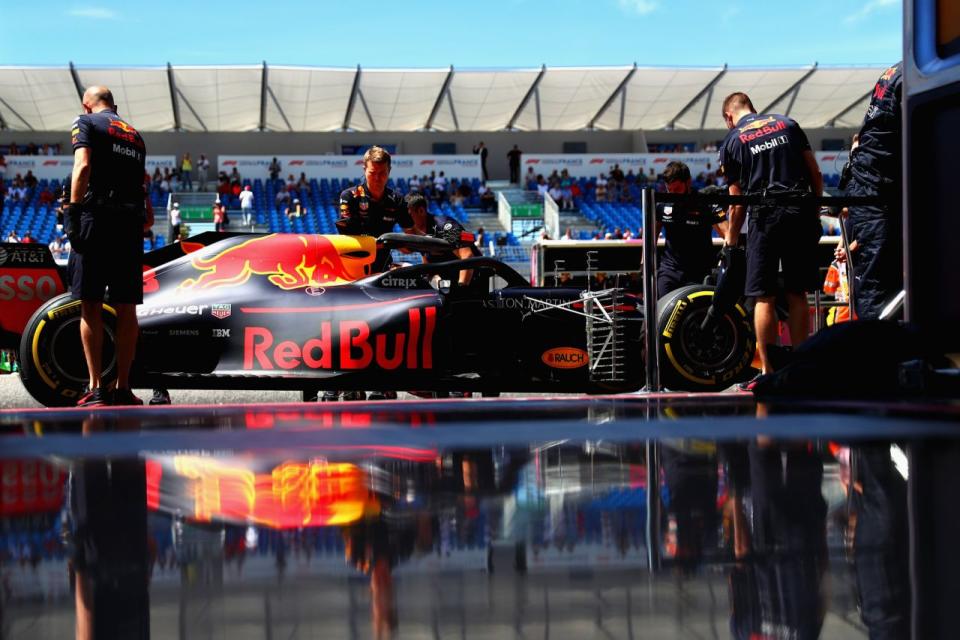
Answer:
(551, 216)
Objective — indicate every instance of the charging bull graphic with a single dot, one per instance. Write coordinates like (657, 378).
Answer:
(288, 261)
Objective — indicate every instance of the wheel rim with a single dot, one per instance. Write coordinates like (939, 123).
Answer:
(712, 349)
(70, 362)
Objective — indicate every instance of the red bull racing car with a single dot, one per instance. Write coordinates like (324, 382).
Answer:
(289, 311)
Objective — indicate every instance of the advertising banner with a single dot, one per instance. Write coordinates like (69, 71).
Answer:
(350, 167)
(60, 167)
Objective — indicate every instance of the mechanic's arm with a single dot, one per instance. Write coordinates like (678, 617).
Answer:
(735, 217)
(467, 274)
(816, 178)
(80, 179)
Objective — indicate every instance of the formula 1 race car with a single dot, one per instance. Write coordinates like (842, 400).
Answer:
(289, 311)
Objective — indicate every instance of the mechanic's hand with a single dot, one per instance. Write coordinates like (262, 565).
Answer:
(71, 225)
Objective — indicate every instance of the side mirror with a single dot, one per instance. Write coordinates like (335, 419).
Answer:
(443, 286)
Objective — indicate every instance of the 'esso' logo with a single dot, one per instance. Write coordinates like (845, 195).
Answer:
(27, 288)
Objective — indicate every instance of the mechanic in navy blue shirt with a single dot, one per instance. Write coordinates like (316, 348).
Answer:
(371, 208)
(875, 170)
(443, 228)
(770, 154)
(689, 254)
(104, 222)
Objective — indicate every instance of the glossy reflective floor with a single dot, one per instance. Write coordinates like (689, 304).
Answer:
(672, 516)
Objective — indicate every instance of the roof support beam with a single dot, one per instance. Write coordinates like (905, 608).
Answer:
(794, 89)
(530, 93)
(14, 112)
(76, 81)
(707, 89)
(263, 98)
(280, 110)
(444, 92)
(366, 109)
(453, 111)
(174, 102)
(192, 110)
(3, 123)
(832, 122)
(620, 90)
(352, 101)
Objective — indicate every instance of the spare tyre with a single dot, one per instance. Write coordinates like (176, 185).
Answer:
(696, 359)
(52, 365)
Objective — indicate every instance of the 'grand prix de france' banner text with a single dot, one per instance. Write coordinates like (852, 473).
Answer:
(350, 167)
(60, 167)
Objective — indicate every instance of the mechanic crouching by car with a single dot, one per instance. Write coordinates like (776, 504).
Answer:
(371, 209)
(770, 154)
(689, 255)
(444, 228)
(104, 222)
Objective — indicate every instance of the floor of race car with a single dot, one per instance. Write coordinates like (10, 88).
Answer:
(508, 517)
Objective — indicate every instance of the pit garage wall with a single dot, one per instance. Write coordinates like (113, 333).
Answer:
(411, 143)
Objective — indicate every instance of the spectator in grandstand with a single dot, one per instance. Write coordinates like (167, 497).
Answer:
(275, 168)
(542, 186)
(235, 175)
(413, 185)
(303, 183)
(175, 180)
(488, 201)
(291, 183)
(531, 179)
(482, 151)
(157, 176)
(617, 234)
(282, 196)
(513, 159)
(30, 180)
(568, 235)
(12, 237)
(186, 172)
(218, 216)
(246, 206)
(481, 237)
(600, 195)
(175, 222)
(628, 234)
(18, 192)
(875, 170)
(688, 254)
(566, 191)
(46, 197)
(13, 149)
(56, 248)
(787, 235)
(236, 189)
(426, 186)
(440, 187)
(203, 172)
(295, 210)
(27, 238)
(104, 222)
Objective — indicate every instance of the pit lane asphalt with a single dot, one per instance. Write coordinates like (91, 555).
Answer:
(14, 396)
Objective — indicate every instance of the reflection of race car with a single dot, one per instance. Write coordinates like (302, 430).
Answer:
(290, 311)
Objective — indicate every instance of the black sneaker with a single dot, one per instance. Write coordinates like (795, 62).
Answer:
(160, 396)
(93, 398)
(125, 398)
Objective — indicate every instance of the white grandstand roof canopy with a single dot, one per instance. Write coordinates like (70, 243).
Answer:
(317, 99)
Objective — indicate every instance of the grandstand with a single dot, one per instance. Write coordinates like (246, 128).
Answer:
(227, 110)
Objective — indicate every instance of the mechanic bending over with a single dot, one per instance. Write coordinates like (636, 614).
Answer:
(371, 208)
(770, 154)
(688, 256)
(443, 228)
(104, 222)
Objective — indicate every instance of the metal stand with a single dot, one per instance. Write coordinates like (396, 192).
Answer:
(649, 268)
(851, 274)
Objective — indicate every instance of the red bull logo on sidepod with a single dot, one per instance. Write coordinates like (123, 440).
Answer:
(288, 261)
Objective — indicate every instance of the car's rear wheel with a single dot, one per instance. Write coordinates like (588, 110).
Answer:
(52, 365)
(696, 359)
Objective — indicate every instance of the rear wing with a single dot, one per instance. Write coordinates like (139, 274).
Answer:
(28, 278)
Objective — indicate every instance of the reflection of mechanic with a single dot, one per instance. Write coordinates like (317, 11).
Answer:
(443, 228)
(688, 255)
(770, 154)
(875, 171)
(371, 208)
(104, 222)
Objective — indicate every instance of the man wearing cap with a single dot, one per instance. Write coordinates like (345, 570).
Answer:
(770, 154)
(104, 222)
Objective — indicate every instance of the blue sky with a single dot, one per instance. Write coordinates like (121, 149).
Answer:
(435, 33)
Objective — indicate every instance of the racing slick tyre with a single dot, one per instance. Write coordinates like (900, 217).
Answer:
(53, 369)
(693, 359)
